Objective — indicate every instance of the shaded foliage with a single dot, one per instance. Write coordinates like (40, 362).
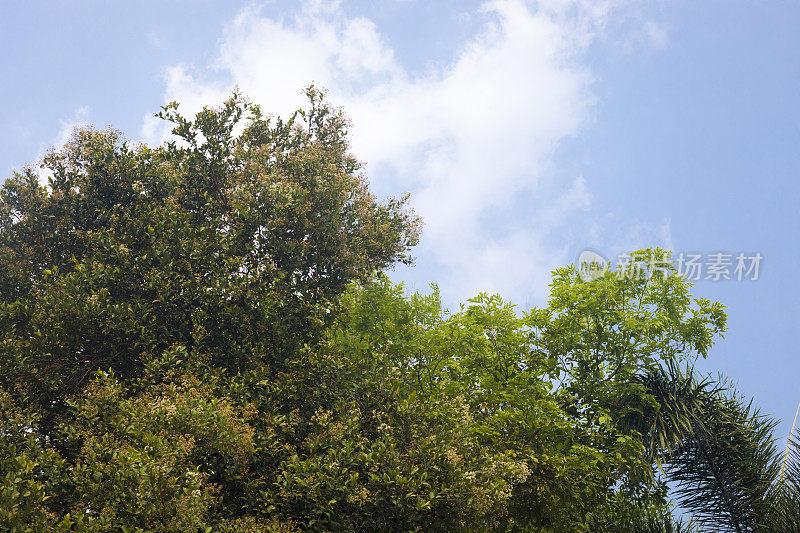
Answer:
(233, 246)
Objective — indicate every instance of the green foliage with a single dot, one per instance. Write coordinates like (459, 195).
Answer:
(624, 322)
(198, 337)
(192, 272)
(234, 246)
(401, 362)
(30, 472)
(147, 459)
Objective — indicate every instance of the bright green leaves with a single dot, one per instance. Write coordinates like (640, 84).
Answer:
(605, 330)
(387, 348)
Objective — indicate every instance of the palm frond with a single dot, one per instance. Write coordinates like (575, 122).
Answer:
(664, 407)
(664, 525)
(785, 497)
(726, 469)
(718, 450)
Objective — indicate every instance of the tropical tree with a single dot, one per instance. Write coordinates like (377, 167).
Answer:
(719, 451)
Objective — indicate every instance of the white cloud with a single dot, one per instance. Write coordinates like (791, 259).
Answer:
(655, 34)
(639, 32)
(68, 125)
(77, 119)
(471, 140)
(612, 235)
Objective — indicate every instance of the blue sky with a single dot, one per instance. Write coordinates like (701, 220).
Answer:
(526, 132)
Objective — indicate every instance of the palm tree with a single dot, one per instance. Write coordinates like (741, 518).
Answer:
(718, 452)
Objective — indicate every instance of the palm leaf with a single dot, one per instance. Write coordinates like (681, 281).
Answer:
(785, 497)
(718, 451)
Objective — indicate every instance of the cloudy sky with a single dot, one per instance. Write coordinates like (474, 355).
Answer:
(526, 132)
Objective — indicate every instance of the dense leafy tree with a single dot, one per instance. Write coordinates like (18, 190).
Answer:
(233, 246)
(229, 247)
(199, 337)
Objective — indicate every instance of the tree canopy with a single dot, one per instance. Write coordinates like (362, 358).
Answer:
(201, 336)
